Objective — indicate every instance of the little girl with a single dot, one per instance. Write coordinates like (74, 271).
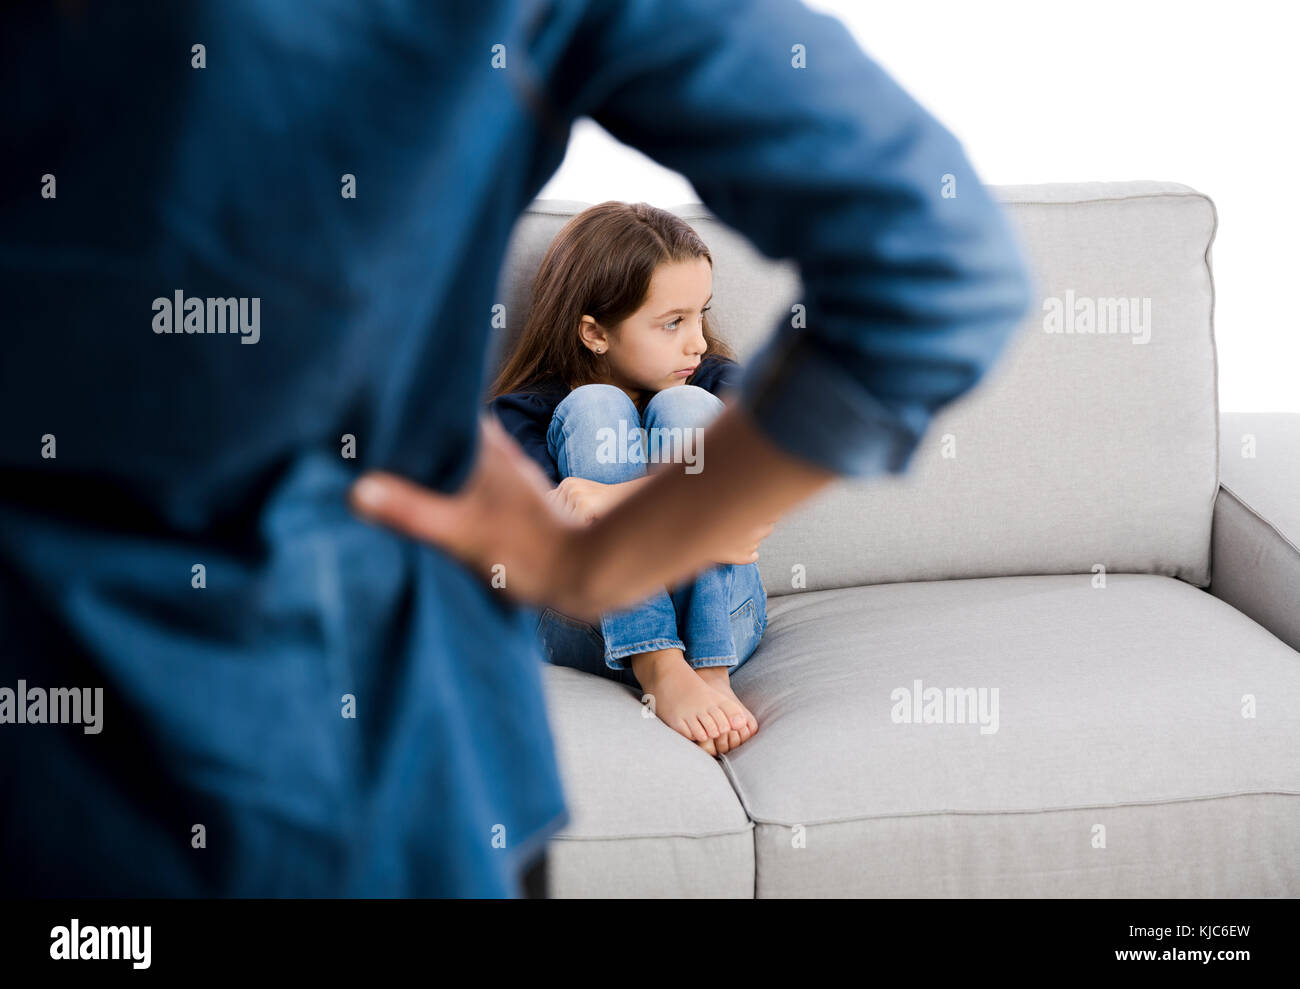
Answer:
(617, 369)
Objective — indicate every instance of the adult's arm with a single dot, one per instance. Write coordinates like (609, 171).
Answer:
(909, 295)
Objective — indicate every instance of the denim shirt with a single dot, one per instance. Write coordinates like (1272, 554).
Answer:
(296, 702)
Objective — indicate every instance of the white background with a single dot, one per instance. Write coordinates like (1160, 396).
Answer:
(1194, 92)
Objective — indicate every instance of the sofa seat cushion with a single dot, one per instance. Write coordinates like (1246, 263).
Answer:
(650, 813)
(1123, 760)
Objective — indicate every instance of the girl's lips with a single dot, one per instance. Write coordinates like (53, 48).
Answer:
(685, 372)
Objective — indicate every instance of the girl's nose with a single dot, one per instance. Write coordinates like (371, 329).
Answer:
(698, 344)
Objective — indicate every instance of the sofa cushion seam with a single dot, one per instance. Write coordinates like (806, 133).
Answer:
(1039, 810)
(739, 790)
(642, 837)
(705, 213)
(1106, 199)
(1260, 518)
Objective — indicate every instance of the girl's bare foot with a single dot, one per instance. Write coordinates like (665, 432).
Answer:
(685, 702)
(719, 678)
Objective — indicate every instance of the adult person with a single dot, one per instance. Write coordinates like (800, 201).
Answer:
(298, 701)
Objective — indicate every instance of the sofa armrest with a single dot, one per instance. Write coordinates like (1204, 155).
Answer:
(1255, 545)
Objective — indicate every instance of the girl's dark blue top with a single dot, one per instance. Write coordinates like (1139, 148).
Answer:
(526, 415)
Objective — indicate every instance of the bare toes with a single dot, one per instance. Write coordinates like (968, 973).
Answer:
(735, 714)
(721, 719)
(715, 723)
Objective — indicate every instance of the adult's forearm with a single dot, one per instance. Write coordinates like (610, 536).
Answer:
(672, 526)
(623, 490)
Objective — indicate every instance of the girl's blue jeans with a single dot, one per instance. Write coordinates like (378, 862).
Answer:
(716, 619)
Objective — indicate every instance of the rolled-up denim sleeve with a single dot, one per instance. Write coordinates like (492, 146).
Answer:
(913, 280)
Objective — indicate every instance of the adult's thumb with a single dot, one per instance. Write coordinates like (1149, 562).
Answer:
(404, 506)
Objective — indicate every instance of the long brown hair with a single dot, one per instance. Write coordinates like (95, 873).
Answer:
(600, 265)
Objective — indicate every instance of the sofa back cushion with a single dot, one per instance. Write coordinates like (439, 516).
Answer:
(1080, 450)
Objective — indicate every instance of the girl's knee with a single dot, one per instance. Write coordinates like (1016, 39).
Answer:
(578, 436)
(596, 400)
(683, 405)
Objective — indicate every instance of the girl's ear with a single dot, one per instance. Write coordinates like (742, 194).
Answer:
(593, 337)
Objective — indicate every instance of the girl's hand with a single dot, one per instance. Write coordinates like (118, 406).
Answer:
(747, 550)
(584, 501)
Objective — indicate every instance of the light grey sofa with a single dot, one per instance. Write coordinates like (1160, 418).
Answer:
(1084, 533)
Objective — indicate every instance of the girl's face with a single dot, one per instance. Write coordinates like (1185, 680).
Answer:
(660, 344)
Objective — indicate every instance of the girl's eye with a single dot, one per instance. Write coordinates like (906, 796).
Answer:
(673, 324)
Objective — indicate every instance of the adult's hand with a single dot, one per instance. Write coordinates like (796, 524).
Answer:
(500, 516)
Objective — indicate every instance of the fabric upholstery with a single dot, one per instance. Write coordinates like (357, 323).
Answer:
(652, 814)
(1122, 707)
(1256, 547)
(1147, 730)
(1078, 451)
